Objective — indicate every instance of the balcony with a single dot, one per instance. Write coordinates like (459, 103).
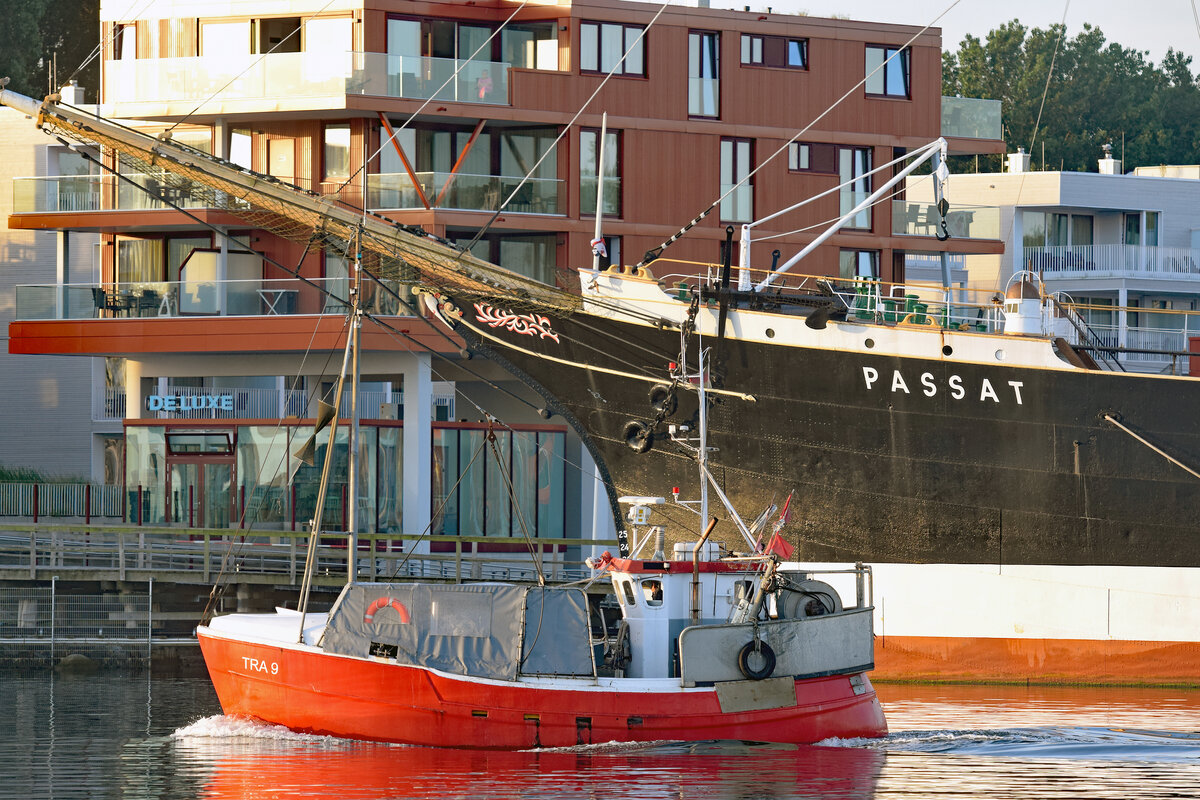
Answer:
(291, 81)
(199, 298)
(96, 193)
(971, 118)
(1114, 261)
(463, 192)
(962, 222)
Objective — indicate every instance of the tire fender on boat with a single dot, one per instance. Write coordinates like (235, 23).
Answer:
(768, 656)
(638, 436)
(384, 602)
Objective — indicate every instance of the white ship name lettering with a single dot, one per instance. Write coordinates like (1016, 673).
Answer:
(258, 665)
(954, 385)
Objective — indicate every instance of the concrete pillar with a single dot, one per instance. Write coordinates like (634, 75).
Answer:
(418, 446)
(135, 403)
(62, 268)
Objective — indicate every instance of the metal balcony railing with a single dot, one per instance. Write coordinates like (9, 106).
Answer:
(1114, 260)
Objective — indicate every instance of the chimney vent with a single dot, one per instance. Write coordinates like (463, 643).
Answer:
(1018, 161)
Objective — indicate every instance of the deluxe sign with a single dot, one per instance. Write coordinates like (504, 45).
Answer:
(179, 402)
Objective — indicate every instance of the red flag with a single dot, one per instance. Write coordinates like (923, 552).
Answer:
(779, 547)
(783, 515)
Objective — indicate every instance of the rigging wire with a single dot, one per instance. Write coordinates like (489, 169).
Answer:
(104, 40)
(651, 255)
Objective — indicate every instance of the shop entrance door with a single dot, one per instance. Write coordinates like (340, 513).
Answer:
(199, 493)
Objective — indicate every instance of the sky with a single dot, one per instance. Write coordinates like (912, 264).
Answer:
(1150, 25)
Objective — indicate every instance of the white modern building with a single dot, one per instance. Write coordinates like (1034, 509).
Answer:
(1124, 247)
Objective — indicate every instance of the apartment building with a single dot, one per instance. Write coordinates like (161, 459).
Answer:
(483, 123)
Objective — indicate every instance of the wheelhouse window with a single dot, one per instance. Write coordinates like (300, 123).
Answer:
(854, 164)
(736, 164)
(888, 71)
(774, 51)
(704, 74)
(589, 171)
(337, 151)
(601, 45)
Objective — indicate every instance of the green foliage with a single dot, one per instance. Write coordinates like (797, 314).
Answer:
(1098, 93)
(36, 34)
(30, 475)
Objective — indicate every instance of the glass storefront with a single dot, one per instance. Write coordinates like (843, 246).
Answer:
(250, 476)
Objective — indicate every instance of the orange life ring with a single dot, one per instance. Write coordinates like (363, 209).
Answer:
(383, 602)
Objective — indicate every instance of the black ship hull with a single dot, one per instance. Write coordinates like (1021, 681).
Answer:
(974, 456)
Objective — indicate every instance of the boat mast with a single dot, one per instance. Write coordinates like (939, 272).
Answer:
(355, 314)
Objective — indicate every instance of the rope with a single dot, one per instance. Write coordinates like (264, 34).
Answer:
(1153, 447)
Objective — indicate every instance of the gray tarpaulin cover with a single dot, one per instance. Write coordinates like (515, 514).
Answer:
(557, 641)
(466, 630)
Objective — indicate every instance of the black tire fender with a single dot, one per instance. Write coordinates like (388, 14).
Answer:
(638, 436)
(663, 400)
(768, 656)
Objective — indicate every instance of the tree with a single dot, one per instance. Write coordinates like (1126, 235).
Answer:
(40, 35)
(1068, 97)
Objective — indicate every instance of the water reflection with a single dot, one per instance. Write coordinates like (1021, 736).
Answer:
(249, 760)
(146, 738)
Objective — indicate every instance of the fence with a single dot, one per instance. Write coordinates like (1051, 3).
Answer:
(84, 500)
(200, 556)
(41, 621)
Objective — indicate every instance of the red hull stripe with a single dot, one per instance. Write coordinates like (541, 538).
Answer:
(1077, 661)
(311, 692)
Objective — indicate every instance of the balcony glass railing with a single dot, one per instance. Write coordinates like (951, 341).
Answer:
(282, 77)
(962, 222)
(203, 298)
(971, 118)
(464, 192)
(1114, 260)
(97, 193)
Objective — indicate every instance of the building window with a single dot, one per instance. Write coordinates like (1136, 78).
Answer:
(704, 74)
(589, 157)
(277, 35)
(337, 151)
(736, 164)
(888, 71)
(853, 165)
(471, 494)
(862, 264)
(774, 51)
(601, 46)
(532, 255)
(812, 157)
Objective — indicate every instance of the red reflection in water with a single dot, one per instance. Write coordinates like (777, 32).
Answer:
(297, 770)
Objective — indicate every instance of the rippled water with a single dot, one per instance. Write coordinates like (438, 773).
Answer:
(136, 737)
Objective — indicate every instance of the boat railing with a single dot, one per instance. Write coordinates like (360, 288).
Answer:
(864, 299)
